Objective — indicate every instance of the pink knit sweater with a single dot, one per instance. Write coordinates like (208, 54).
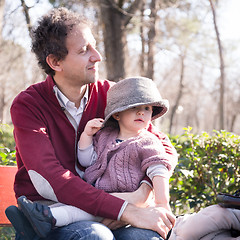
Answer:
(121, 166)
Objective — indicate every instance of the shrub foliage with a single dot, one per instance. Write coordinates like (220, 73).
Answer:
(207, 165)
(7, 145)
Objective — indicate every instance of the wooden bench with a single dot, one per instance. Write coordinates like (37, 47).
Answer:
(7, 196)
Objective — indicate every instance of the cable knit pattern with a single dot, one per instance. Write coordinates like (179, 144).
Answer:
(121, 166)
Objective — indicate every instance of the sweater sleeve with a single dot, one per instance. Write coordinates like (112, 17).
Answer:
(46, 157)
(87, 156)
(170, 152)
(153, 152)
(169, 148)
(157, 170)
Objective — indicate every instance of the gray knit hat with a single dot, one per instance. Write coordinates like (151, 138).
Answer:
(132, 92)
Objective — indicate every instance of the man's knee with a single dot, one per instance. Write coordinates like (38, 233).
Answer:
(100, 232)
(132, 233)
(82, 230)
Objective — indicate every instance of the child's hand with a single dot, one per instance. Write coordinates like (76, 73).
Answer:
(93, 126)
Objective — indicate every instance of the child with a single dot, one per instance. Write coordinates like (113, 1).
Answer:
(123, 151)
(119, 155)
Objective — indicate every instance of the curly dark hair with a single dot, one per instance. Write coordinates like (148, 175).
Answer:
(49, 36)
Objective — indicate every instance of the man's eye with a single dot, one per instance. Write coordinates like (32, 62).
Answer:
(83, 50)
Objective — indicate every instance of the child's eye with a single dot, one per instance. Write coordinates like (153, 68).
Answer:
(148, 108)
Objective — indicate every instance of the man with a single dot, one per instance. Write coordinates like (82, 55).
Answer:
(48, 119)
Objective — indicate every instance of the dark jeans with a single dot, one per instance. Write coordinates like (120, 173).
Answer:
(88, 230)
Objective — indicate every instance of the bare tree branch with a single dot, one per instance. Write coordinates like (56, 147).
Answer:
(26, 14)
(222, 78)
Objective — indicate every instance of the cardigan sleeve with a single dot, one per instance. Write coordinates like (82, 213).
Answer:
(87, 156)
(153, 152)
(171, 153)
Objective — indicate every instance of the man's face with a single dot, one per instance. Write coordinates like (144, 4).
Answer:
(80, 66)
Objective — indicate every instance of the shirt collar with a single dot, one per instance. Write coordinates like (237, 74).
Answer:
(65, 101)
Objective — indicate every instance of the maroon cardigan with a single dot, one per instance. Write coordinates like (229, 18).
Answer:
(46, 144)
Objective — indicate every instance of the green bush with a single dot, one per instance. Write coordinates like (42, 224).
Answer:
(7, 145)
(7, 233)
(207, 165)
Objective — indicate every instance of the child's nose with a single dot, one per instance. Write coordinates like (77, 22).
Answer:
(140, 112)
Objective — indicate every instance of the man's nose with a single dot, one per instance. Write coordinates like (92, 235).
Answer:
(96, 56)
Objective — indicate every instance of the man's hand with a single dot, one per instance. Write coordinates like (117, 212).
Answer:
(155, 218)
(137, 213)
(139, 198)
(113, 224)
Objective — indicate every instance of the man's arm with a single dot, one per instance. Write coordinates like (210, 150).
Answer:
(139, 215)
(46, 153)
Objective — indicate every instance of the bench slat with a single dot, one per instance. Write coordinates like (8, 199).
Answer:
(7, 196)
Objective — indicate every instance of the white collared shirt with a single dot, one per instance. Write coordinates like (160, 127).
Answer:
(76, 113)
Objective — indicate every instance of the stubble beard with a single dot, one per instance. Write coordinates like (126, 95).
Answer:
(94, 77)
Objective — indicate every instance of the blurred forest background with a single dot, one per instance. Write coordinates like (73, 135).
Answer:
(185, 46)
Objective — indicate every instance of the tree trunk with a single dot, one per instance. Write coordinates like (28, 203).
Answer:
(2, 2)
(26, 14)
(234, 117)
(2, 101)
(114, 41)
(2, 92)
(179, 96)
(115, 20)
(151, 40)
(222, 77)
(142, 56)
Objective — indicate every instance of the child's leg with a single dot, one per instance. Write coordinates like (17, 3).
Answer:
(210, 219)
(65, 214)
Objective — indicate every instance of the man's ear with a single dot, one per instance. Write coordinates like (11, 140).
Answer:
(53, 63)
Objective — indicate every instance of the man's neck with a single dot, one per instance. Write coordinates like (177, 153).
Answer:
(74, 94)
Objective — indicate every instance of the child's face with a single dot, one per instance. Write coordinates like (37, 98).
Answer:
(134, 119)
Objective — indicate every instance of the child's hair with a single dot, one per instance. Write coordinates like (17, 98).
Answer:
(132, 92)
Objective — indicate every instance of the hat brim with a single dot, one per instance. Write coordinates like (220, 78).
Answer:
(160, 108)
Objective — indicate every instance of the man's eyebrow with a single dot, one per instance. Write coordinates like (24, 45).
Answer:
(86, 44)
